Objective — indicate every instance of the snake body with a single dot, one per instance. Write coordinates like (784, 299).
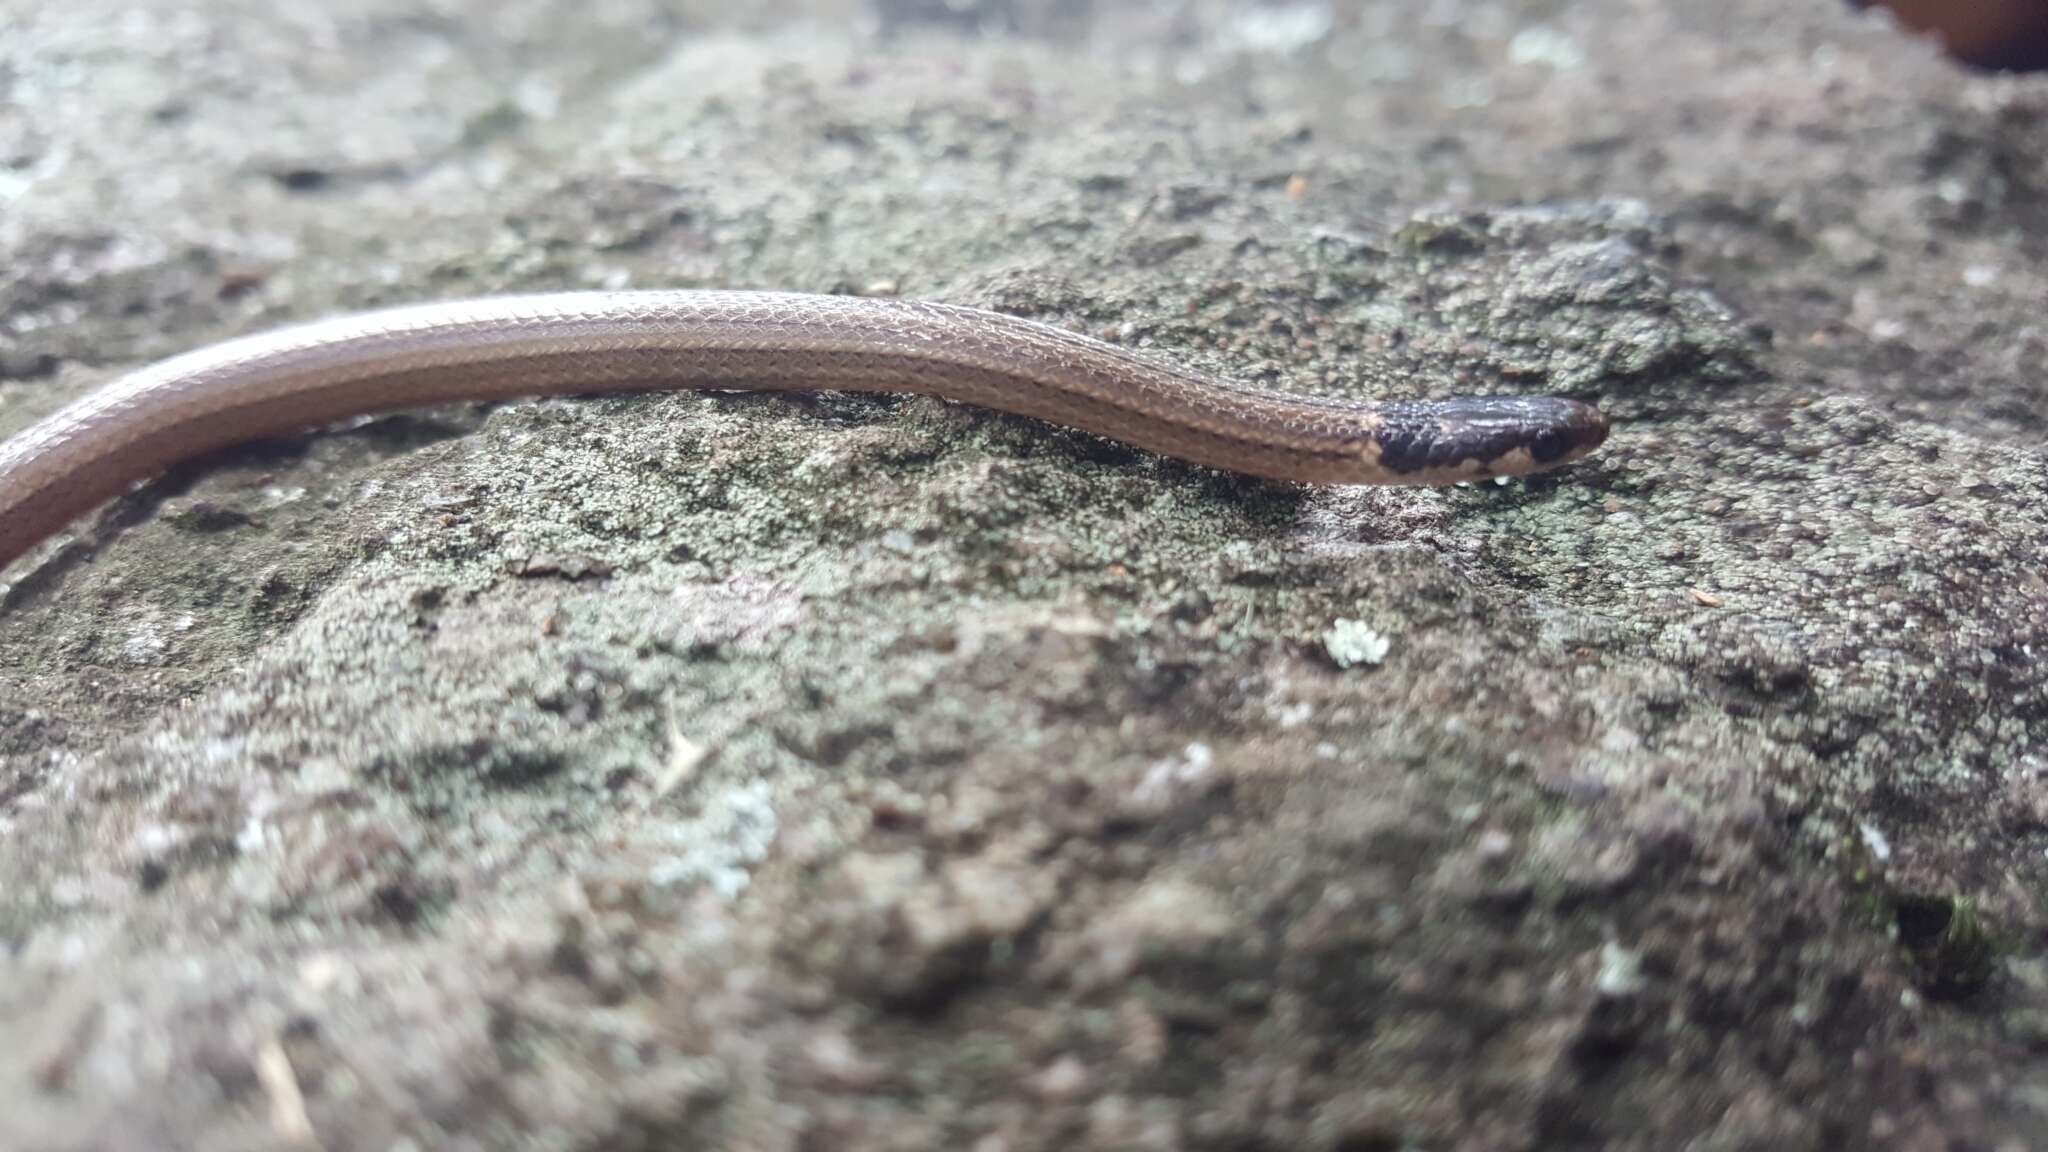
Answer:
(502, 347)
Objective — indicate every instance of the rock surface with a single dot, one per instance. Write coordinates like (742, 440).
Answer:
(852, 773)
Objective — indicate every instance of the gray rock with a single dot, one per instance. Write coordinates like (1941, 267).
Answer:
(771, 772)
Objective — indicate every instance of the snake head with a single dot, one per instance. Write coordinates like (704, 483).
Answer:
(1469, 438)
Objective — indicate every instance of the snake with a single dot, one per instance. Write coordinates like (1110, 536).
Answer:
(506, 347)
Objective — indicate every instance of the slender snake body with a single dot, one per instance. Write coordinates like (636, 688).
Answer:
(497, 348)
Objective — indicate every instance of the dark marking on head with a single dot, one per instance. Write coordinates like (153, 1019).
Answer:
(1477, 431)
(1402, 447)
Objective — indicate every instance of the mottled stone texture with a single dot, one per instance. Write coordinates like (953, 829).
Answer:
(808, 773)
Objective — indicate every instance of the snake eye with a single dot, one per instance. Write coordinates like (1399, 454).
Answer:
(1547, 445)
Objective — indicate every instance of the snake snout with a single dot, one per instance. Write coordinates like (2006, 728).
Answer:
(1568, 429)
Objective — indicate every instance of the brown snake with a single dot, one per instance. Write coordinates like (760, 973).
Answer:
(498, 348)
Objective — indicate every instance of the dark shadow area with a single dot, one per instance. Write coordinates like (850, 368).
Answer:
(1998, 35)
